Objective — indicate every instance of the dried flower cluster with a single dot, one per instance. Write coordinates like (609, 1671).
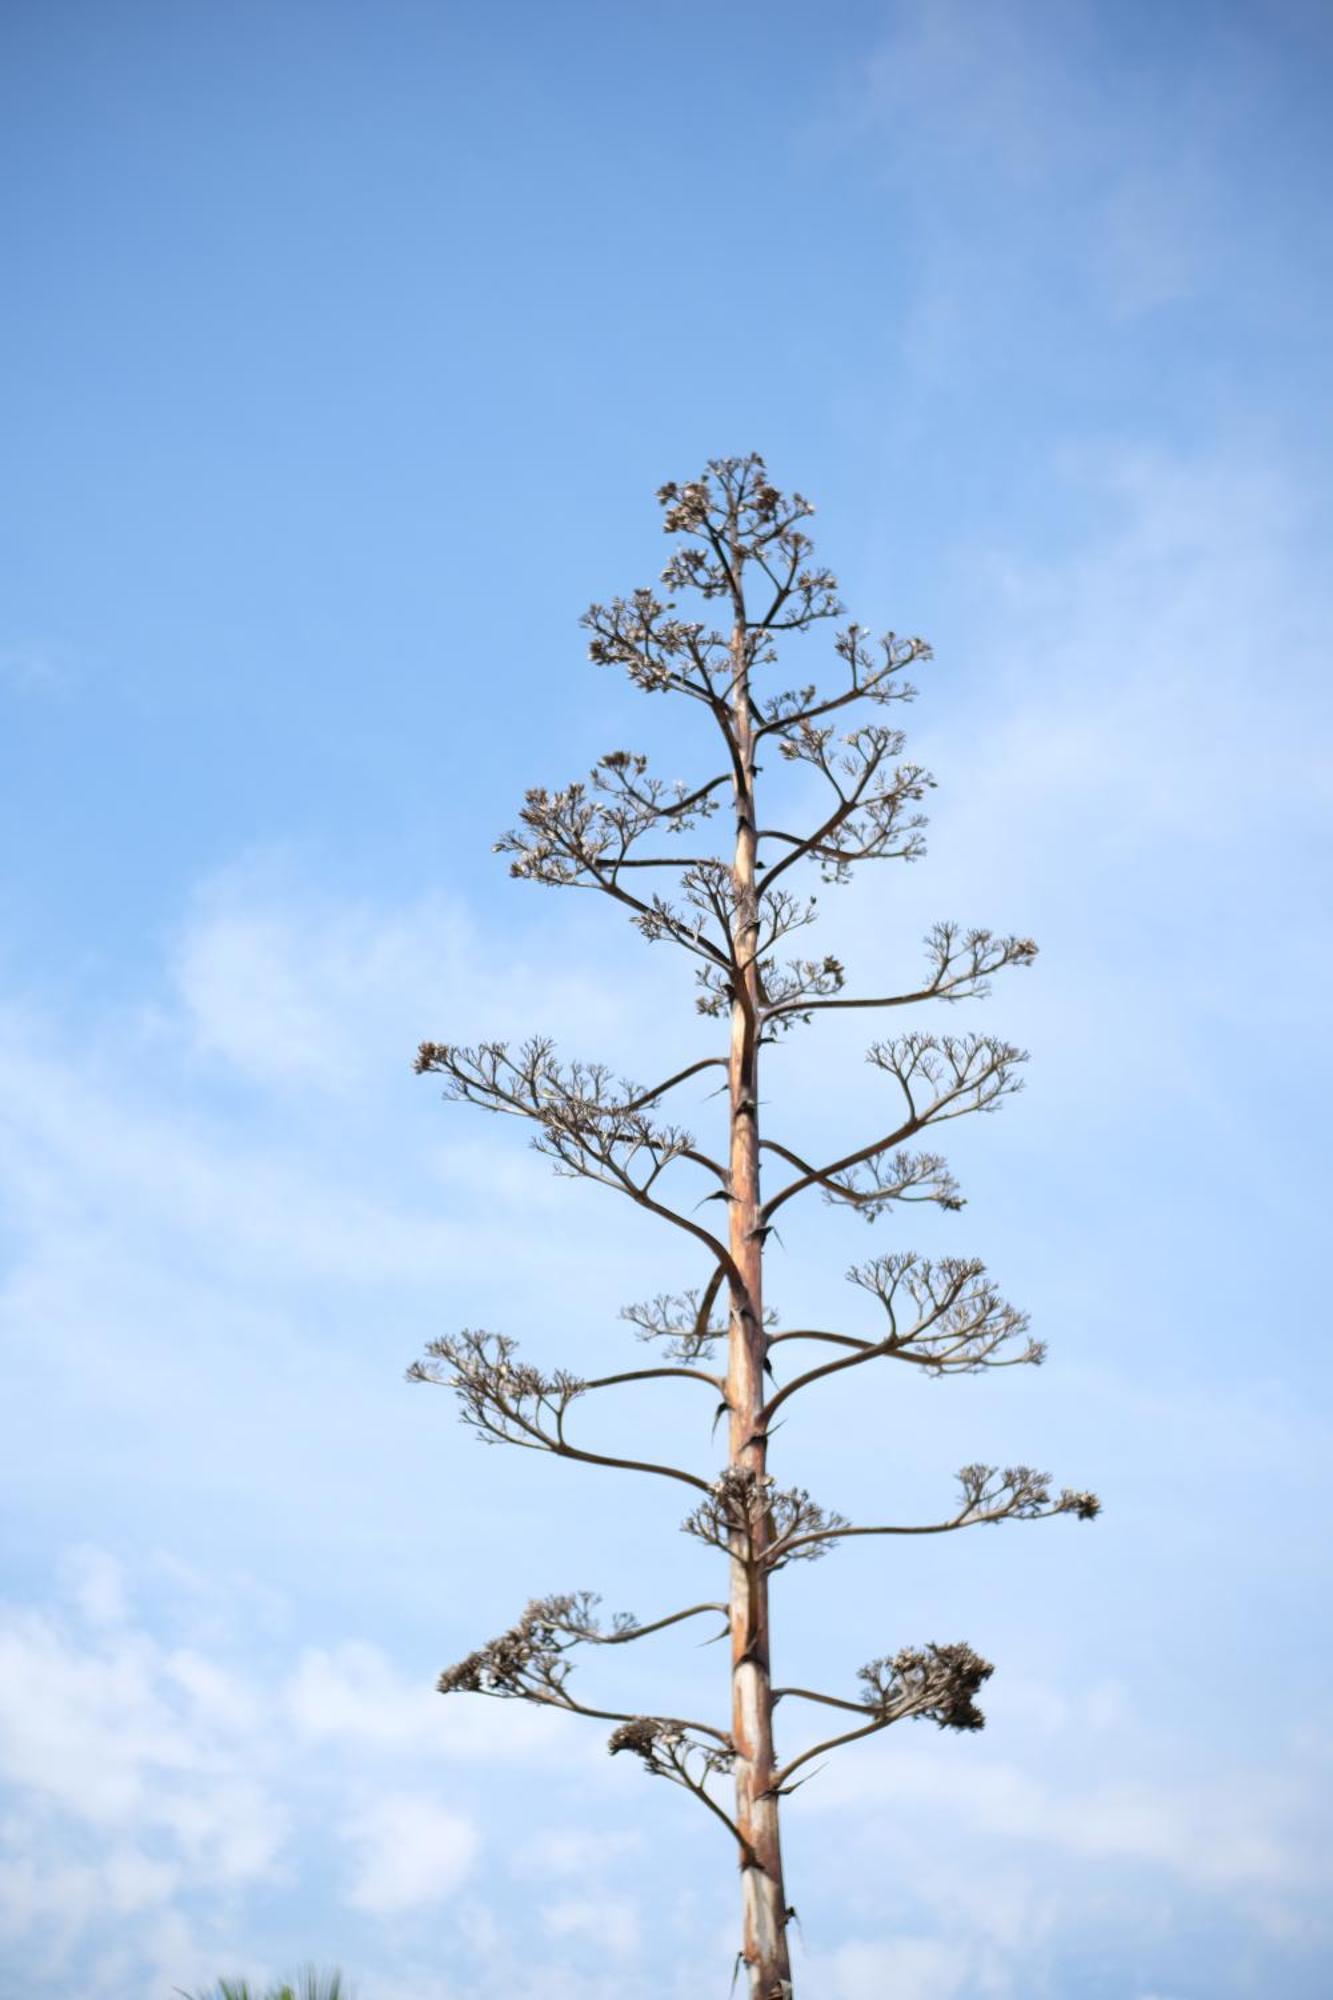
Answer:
(746, 1511)
(940, 1682)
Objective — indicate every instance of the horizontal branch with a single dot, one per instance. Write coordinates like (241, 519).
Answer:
(506, 1401)
(938, 1682)
(868, 680)
(1017, 1494)
(653, 1375)
(659, 1090)
(960, 1323)
(589, 1122)
(817, 1333)
(963, 964)
(530, 1662)
(623, 1634)
(902, 1176)
(782, 1779)
(963, 1074)
(827, 1700)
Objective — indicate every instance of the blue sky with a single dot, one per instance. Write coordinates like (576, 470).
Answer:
(343, 348)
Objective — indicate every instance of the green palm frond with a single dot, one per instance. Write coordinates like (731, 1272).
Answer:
(311, 1984)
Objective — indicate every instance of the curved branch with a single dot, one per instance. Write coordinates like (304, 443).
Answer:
(500, 1396)
(812, 1333)
(876, 1723)
(964, 962)
(659, 1090)
(625, 1634)
(655, 1374)
(716, 1247)
(696, 1787)
(936, 1681)
(563, 1449)
(870, 1352)
(828, 1700)
(918, 1168)
(811, 844)
(1021, 1495)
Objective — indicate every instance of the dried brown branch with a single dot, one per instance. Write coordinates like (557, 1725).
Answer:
(870, 821)
(505, 1401)
(941, 1077)
(958, 1324)
(666, 1748)
(962, 965)
(589, 832)
(683, 1319)
(530, 1662)
(589, 1123)
(872, 1185)
(868, 679)
(937, 1682)
(1015, 1494)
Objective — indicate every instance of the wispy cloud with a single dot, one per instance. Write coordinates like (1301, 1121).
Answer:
(34, 669)
(288, 985)
(410, 1851)
(1008, 112)
(153, 1790)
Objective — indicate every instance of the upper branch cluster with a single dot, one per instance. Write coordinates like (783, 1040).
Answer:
(741, 542)
(734, 517)
(874, 670)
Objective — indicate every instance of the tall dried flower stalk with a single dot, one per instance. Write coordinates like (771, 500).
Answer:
(741, 550)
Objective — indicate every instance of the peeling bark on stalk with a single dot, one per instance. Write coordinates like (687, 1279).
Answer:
(764, 1938)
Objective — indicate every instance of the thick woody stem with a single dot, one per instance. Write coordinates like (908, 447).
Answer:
(764, 1938)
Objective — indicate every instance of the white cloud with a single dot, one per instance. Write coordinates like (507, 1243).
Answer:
(135, 1201)
(1135, 782)
(1211, 1836)
(1122, 186)
(351, 1693)
(33, 669)
(609, 1922)
(574, 1850)
(96, 1583)
(910, 1968)
(152, 1791)
(104, 1727)
(1144, 653)
(87, 1143)
(290, 986)
(411, 1852)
